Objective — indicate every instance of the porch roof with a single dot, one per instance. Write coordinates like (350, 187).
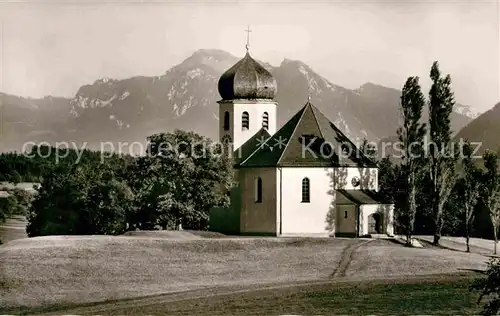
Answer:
(361, 197)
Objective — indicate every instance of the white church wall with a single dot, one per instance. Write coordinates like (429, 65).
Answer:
(385, 210)
(258, 218)
(300, 218)
(255, 111)
(368, 178)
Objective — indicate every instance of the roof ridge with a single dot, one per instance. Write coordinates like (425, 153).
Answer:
(316, 119)
(251, 138)
(293, 132)
(346, 137)
(258, 147)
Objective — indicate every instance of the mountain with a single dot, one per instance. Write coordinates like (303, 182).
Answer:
(185, 96)
(382, 106)
(484, 129)
(26, 119)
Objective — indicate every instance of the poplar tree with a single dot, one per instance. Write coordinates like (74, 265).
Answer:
(441, 153)
(411, 135)
(492, 192)
(470, 188)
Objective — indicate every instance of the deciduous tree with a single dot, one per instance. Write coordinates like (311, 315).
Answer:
(470, 188)
(441, 152)
(411, 135)
(491, 192)
(181, 178)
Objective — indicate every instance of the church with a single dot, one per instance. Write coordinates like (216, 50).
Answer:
(303, 179)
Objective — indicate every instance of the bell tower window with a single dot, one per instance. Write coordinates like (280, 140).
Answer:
(226, 121)
(245, 121)
(265, 120)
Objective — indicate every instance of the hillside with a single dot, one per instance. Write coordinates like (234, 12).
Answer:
(484, 129)
(97, 268)
(129, 110)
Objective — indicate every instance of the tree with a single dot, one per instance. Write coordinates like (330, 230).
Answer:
(15, 177)
(8, 206)
(470, 188)
(490, 288)
(80, 199)
(441, 151)
(392, 187)
(368, 149)
(179, 180)
(491, 192)
(411, 137)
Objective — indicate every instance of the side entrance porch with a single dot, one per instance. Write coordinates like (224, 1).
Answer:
(360, 213)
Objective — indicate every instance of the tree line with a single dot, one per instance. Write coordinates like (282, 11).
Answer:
(439, 186)
(88, 193)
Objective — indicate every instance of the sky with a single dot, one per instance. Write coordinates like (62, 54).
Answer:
(54, 47)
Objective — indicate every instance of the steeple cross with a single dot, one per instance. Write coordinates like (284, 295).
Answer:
(247, 46)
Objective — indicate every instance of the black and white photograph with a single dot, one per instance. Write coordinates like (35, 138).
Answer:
(251, 157)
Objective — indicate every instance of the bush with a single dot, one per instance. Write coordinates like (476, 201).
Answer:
(490, 288)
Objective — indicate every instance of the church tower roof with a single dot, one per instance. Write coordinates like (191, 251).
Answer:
(308, 127)
(247, 79)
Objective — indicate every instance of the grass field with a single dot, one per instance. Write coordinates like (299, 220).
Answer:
(59, 270)
(68, 270)
(437, 295)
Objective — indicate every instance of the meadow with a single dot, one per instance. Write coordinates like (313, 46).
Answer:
(162, 273)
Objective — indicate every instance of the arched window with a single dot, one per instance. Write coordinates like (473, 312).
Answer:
(245, 121)
(226, 121)
(258, 190)
(305, 191)
(265, 120)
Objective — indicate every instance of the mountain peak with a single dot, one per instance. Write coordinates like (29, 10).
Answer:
(292, 62)
(212, 52)
(103, 80)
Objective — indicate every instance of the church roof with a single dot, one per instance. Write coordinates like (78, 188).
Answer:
(308, 139)
(361, 197)
(247, 79)
(250, 145)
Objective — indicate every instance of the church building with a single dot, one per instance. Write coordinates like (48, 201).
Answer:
(303, 179)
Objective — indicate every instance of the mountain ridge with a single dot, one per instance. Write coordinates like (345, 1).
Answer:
(185, 96)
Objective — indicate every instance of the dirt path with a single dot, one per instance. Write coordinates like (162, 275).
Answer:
(346, 258)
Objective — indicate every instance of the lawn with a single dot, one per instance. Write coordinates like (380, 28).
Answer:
(46, 272)
(381, 258)
(67, 270)
(437, 295)
(449, 296)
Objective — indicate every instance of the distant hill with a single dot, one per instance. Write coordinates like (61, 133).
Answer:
(185, 96)
(484, 129)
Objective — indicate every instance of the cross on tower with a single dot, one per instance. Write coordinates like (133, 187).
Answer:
(247, 46)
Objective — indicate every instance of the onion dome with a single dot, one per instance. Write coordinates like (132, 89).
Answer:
(247, 79)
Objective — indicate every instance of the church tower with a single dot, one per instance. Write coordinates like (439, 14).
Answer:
(247, 90)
